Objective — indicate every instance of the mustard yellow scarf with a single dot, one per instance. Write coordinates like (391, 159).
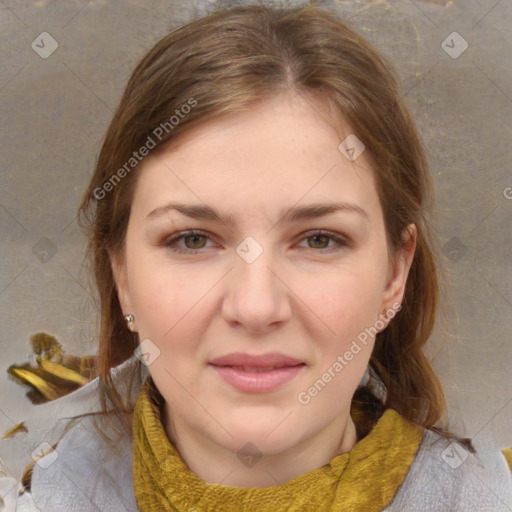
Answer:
(364, 479)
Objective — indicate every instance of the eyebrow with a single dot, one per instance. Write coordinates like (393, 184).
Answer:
(311, 211)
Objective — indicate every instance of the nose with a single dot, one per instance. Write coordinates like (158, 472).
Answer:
(257, 297)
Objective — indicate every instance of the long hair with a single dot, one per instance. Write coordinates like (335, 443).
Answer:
(224, 62)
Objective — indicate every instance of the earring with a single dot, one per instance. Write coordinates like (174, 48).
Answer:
(129, 320)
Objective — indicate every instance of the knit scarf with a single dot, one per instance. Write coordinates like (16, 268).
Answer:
(364, 479)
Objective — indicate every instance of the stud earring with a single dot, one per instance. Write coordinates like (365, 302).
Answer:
(129, 320)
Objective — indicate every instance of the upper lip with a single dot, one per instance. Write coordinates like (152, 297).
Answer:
(272, 359)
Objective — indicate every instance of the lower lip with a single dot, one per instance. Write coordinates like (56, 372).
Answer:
(258, 382)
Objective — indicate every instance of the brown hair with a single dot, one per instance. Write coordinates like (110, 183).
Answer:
(225, 62)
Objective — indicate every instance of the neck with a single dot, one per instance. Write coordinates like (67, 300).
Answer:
(224, 465)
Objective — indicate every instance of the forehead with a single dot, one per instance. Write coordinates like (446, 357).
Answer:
(280, 151)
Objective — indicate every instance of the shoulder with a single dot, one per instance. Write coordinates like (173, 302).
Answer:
(85, 473)
(447, 476)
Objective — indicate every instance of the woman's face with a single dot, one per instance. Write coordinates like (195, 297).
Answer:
(258, 282)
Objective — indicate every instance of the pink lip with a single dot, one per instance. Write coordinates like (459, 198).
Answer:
(270, 359)
(228, 367)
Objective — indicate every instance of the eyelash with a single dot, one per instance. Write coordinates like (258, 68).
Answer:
(169, 242)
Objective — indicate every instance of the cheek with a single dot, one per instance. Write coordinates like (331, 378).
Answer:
(165, 296)
(346, 301)
(168, 308)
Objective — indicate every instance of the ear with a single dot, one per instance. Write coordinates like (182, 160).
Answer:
(399, 269)
(121, 282)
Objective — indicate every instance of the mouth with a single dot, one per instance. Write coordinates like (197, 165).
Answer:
(254, 369)
(271, 360)
(257, 374)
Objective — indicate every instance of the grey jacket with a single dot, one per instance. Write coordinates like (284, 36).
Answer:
(85, 475)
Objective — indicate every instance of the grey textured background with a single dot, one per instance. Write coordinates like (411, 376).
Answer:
(55, 111)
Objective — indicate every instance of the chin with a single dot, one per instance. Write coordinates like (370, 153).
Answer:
(256, 443)
(268, 432)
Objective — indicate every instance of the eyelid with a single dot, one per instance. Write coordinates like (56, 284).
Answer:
(341, 241)
(182, 234)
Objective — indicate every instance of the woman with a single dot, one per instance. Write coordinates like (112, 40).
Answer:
(278, 364)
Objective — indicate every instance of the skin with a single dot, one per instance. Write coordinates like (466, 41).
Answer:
(301, 296)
